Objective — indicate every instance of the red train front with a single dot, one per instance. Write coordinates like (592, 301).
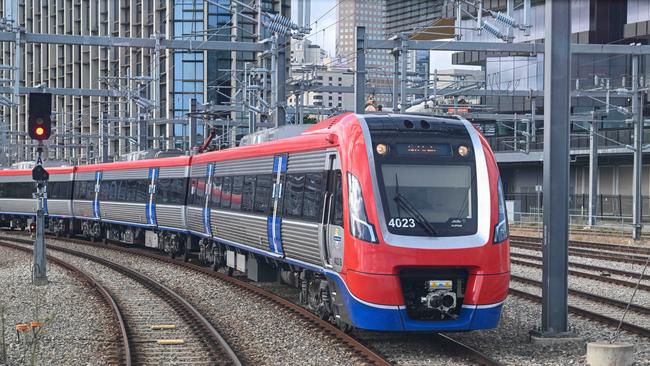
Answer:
(426, 246)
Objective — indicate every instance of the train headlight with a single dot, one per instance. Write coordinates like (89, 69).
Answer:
(463, 150)
(359, 225)
(381, 149)
(501, 228)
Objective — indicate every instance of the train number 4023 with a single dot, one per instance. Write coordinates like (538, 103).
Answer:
(401, 222)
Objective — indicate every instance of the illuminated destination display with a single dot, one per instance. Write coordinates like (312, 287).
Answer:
(424, 149)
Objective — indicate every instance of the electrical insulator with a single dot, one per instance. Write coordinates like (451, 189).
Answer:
(493, 30)
(503, 18)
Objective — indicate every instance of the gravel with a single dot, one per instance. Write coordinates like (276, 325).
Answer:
(261, 328)
(79, 329)
(261, 333)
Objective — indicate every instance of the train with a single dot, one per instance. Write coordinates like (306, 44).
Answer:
(384, 222)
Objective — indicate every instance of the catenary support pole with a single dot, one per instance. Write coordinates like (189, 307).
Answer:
(637, 119)
(281, 72)
(192, 125)
(360, 75)
(557, 77)
(593, 172)
(403, 80)
(395, 80)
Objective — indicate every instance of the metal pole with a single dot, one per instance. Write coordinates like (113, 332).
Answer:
(403, 96)
(281, 82)
(638, 151)
(192, 125)
(103, 130)
(155, 92)
(593, 172)
(510, 6)
(557, 77)
(39, 271)
(360, 75)
(274, 79)
(395, 80)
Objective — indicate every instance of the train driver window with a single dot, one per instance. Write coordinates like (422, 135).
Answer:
(337, 210)
(313, 196)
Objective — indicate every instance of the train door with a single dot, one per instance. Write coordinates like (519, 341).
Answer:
(208, 191)
(151, 201)
(274, 221)
(98, 182)
(332, 234)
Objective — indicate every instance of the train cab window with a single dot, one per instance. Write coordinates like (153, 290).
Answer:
(293, 194)
(263, 190)
(215, 195)
(248, 194)
(226, 192)
(337, 209)
(313, 196)
(236, 196)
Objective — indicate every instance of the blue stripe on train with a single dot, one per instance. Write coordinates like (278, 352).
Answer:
(275, 241)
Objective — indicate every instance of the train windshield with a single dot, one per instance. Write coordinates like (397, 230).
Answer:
(429, 199)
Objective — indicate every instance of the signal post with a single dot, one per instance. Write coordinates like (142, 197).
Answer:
(40, 129)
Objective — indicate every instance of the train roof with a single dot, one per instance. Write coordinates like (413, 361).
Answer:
(51, 170)
(149, 163)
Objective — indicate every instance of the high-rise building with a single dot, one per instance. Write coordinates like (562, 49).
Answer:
(379, 64)
(80, 120)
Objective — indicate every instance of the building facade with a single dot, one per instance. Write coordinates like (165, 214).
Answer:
(153, 87)
(518, 139)
(379, 64)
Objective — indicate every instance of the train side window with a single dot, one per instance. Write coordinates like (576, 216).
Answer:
(215, 196)
(294, 188)
(313, 196)
(142, 190)
(263, 190)
(248, 193)
(226, 192)
(236, 197)
(337, 210)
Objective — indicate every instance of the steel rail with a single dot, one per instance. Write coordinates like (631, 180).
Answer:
(590, 245)
(186, 309)
(101, 290)
(479, 357)
(615, 271)
(353, 344)
(588, 296)
(591, 276)
(586, 253)
(638, 330)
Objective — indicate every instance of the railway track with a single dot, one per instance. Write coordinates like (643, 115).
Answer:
(122, 353)
(613, 322)
(604, 276)
(355, 345)
(535, 244)
(158, 325)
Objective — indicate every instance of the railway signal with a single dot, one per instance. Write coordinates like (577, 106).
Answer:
(40, 112)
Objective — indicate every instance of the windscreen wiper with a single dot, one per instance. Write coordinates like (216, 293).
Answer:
(417, 215)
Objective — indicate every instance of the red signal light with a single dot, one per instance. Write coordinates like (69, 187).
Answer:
(40, 131)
